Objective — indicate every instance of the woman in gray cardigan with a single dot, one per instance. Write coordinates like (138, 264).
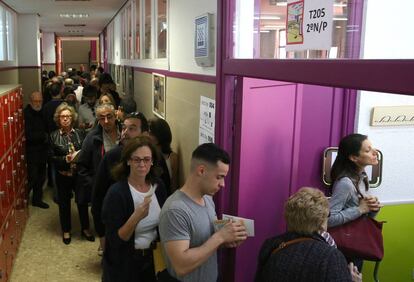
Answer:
(350, 198)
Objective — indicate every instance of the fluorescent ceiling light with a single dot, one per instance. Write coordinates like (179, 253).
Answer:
(340, 19)
(281, 4)
(267, 17)
(73, 16)
(264, 31)
(273, 27)
(340, 5)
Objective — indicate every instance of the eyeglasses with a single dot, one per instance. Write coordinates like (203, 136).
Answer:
(65, 116)
(108, 117)
(138, 160)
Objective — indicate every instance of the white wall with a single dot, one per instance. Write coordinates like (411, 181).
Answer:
(388, 29)
(181, 34)
(28, 40)
(387, 36)
(181, 38)
(48, 48)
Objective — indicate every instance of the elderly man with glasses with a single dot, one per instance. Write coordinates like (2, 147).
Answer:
(101, 139)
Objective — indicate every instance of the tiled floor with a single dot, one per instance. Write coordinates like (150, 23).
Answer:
(42, 256)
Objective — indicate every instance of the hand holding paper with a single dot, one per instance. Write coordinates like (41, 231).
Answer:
(248, 223)
(150, 191)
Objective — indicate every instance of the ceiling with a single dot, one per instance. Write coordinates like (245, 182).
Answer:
(100, 13)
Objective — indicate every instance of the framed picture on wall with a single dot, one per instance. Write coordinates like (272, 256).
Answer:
(158, 95)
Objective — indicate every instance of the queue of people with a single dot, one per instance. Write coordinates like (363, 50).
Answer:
(121, 164)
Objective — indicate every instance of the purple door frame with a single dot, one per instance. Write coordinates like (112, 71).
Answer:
(393, 76)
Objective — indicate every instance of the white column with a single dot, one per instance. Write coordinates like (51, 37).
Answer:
(28, 40)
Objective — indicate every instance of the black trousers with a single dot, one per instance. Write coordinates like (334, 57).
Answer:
(138, 268)
(65, 186)
(36, 175)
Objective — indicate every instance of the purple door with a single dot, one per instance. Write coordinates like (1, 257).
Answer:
(282, 130)
(267, 132)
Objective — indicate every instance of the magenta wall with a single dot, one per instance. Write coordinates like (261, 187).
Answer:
(284, 128)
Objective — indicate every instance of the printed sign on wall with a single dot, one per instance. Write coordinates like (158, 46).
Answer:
(207, 120)
(309, 25)
(392, 115)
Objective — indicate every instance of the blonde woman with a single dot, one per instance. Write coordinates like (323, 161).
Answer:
(302, 254)
(64, 143)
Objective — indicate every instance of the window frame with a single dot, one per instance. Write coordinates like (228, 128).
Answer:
(8, 36)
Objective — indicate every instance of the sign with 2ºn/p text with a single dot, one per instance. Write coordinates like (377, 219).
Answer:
(309, 25)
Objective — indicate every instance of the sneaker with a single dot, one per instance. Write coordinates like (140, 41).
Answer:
(41, 205)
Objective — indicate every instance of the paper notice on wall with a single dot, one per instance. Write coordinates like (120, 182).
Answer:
(309, 25)
(207, 120)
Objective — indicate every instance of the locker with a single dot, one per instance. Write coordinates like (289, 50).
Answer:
(2, 145)
(9, 177)
(5, 122)
(14, 168)
(5, 201)
(13, 179)
(3, 265)
(3, 194)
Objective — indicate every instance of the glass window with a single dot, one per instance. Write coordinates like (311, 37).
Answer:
(137, 29)
(162, 29)
(147, 28)
(129, 32)
(259, 30)
(10, 35)
(2, 35)
(123, 34)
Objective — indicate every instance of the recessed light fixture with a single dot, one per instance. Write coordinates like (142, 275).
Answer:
(73, 15)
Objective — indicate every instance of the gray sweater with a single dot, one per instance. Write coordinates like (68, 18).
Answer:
(344, 202)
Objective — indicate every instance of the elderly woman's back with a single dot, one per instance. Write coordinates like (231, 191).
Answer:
(306, 256)
(311, 260)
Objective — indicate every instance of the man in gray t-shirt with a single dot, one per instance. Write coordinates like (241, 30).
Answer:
(186, 220)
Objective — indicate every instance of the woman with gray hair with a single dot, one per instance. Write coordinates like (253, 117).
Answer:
(302, 254)
(65, 142)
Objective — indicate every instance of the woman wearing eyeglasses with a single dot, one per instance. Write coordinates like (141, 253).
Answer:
(130, 213)
(65, 143)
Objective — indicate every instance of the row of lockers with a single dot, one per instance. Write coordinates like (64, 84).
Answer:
(12, 231)
(12, 173)
(13, 177)
(11, 118)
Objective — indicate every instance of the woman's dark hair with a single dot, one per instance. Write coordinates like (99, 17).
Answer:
(121, 171)
(161, 130)
(349, 146)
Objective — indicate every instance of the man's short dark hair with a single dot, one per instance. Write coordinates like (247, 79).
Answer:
(128, 104)
(141, 117)
(89, 91)
(211, 153)
(105, 78)
(55, 89)
(51, 74)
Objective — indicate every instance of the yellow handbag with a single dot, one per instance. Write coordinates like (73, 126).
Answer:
(159, 262)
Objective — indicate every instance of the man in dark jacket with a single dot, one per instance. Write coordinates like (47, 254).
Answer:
(134, 125)
(36, 148)
(50, 107)
(101, 139)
